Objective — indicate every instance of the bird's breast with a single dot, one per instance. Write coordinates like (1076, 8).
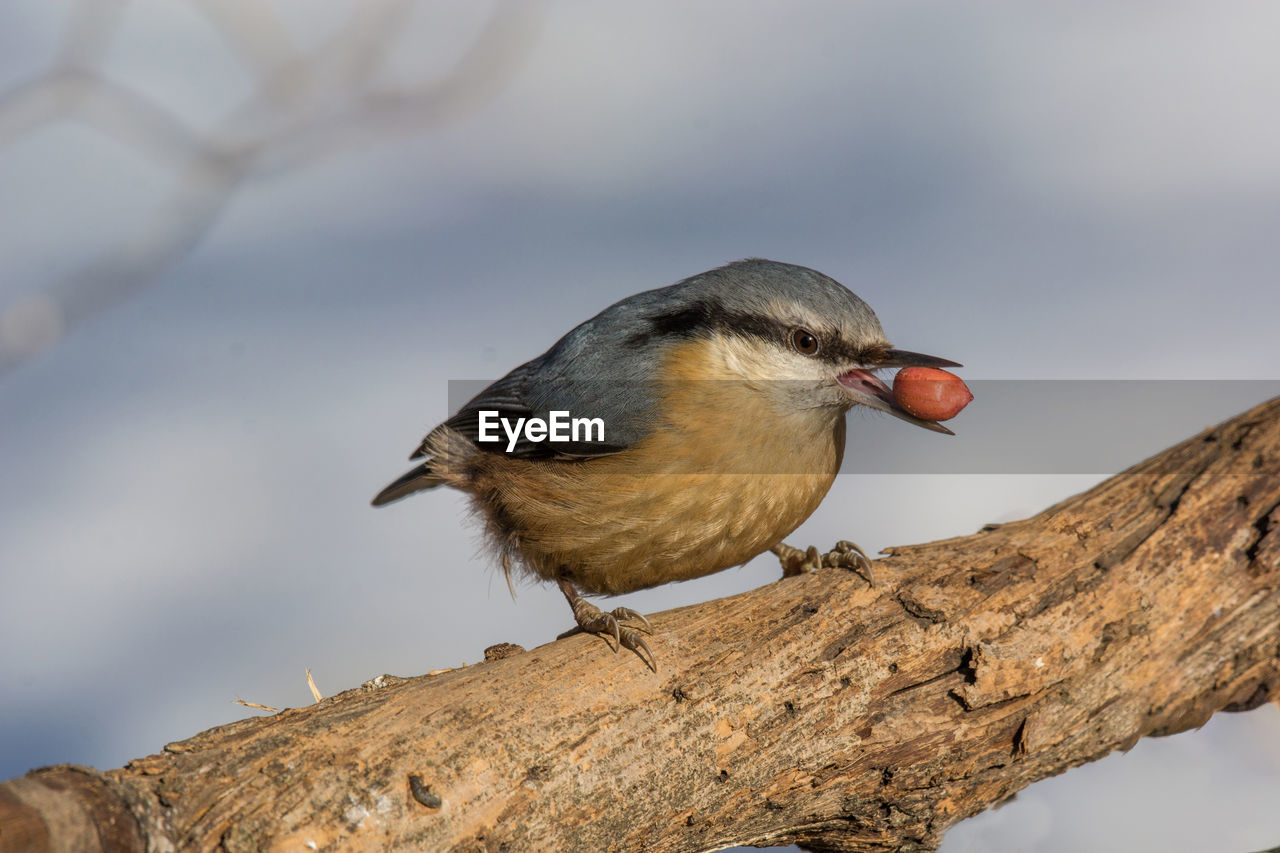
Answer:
(722, 476)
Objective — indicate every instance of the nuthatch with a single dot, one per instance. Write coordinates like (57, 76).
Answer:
(722, 403)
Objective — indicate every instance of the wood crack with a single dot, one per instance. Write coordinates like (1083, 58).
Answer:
(1264, 524)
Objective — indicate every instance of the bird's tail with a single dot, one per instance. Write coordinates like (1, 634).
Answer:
(444, 454)
(419, 479)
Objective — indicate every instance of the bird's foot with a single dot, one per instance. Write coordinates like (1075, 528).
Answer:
(593, 620)
(845, 555)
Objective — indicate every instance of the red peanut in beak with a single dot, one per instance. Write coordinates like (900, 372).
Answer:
(930, 393)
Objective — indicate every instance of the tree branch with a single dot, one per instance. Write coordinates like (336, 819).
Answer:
(813, 710)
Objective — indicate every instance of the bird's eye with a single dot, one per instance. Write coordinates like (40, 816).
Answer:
(805, 341)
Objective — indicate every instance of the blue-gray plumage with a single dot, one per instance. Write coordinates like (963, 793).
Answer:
(664, 495)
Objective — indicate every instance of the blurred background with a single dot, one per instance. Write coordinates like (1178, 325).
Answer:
(246, 244)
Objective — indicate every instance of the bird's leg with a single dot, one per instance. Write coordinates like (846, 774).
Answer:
(845, 555)
(593, 620)
(796, 562)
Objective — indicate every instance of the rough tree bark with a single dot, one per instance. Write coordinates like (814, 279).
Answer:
(813, 710)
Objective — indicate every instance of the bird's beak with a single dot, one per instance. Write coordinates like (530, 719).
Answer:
(868, 389)
(903, 358)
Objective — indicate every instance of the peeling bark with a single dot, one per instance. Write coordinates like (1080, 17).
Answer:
(814, 710)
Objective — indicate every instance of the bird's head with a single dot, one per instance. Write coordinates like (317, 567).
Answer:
(801, 338)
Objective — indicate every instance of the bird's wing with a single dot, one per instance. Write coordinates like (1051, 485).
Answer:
(518, 396)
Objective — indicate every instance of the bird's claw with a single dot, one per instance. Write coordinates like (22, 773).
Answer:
(625, 637)
(845, 555)
(630, 639)
(848, 555)
(593, 620)
(611, 623)
(626, 614)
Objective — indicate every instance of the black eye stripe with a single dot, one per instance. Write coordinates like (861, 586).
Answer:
(701, 318)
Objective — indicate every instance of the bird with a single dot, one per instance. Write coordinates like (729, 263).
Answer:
(712, 424)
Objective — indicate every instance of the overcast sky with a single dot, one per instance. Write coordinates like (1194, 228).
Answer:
(1046, 191)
